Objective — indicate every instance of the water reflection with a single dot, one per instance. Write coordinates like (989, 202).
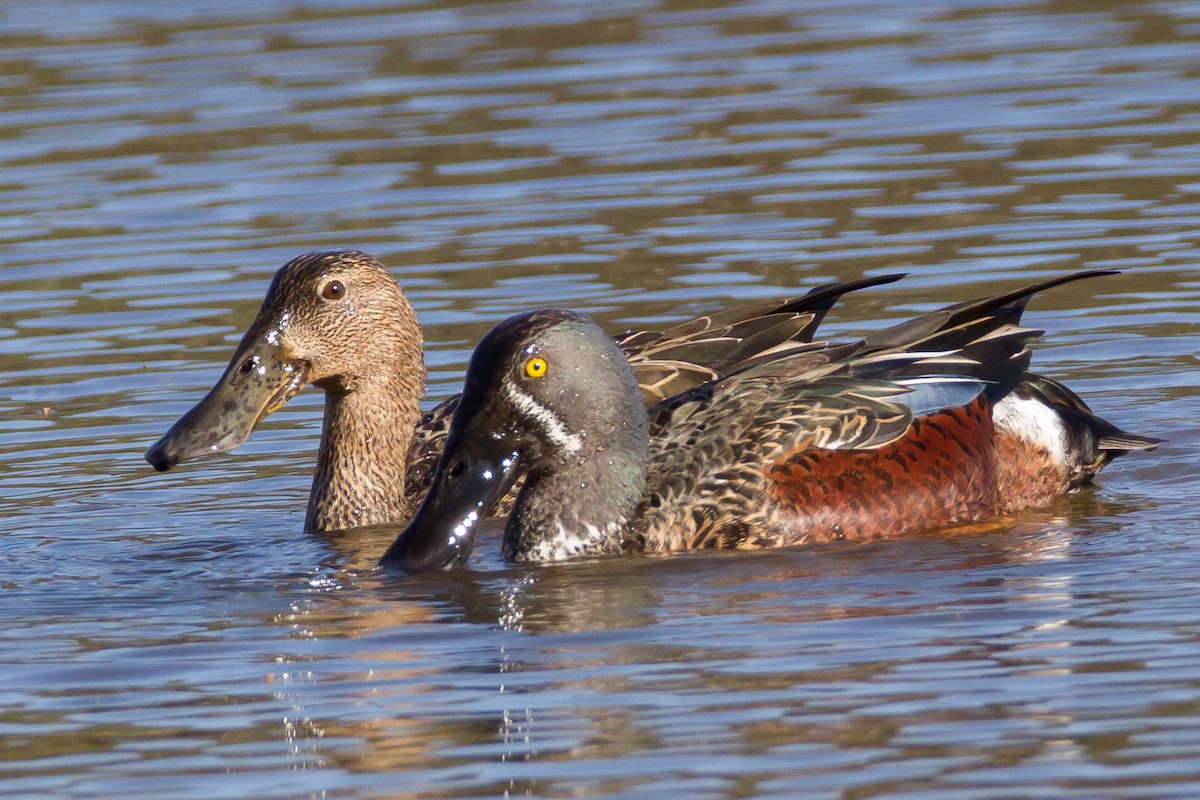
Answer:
(528, 639)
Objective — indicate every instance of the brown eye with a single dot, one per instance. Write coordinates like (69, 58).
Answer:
(333, 290)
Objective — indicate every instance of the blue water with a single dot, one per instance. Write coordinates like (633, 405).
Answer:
(640, 161)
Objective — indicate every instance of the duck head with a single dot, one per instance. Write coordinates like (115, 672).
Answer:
(550, 396)
(335, 319)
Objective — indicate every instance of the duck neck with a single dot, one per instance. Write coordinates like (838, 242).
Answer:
(582, 505)
(360, 476)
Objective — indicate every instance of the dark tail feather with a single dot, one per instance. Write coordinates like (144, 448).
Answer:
(1107, 442)
(1014, 302)
(816, 302)
(823, 297)
(1094, 441)
(1122, 442)
(1076, 413)
(1007, 307)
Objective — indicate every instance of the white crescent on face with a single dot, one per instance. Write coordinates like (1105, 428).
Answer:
(550, 423)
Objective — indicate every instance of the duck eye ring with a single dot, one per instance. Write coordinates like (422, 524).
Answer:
(536, 367)
(334, 290)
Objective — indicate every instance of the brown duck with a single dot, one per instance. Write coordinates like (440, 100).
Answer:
(932, 423)
(339, 321)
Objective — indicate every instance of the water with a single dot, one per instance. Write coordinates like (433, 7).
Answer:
(641, 161)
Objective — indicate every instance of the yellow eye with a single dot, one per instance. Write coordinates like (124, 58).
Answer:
(535, 367)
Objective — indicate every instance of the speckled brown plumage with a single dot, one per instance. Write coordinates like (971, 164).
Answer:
(930, 423)
(362, 346)
(1027, 473)
(831, 453)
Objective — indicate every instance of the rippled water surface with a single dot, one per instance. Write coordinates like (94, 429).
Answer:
(177, 636)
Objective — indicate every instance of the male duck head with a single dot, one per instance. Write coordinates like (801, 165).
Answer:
(549, 396)
(337, 320)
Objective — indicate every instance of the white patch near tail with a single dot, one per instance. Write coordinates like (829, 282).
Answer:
(552, 426)
(1033, 421)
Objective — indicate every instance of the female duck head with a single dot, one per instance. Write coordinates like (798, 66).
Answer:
(335, 319)
(550, 396)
